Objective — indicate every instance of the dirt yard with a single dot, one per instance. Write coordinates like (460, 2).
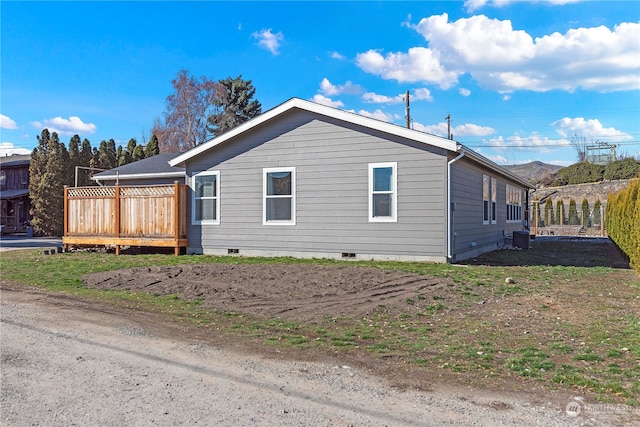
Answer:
(305, 293)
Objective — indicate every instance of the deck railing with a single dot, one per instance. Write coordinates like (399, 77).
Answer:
(154, 215)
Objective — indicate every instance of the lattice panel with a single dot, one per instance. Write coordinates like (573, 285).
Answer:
(87, 192)
(152, 191)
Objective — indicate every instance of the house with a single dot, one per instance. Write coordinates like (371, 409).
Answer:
(14, 193)
(307, 180)
(150, 171)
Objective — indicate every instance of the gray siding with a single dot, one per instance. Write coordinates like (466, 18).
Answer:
(331, 164)
(472, 237)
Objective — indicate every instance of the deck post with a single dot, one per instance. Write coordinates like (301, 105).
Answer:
(66, 214)
(176, 216)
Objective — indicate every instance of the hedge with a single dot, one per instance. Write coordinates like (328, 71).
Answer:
(623, 221)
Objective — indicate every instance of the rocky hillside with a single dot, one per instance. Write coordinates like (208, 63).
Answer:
(534, 172)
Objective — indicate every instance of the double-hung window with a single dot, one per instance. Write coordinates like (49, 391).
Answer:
(279, 196)
(383, 192)
(494, 200)
(206, 200)
(486, 194)
(489, 200)
(514, 204)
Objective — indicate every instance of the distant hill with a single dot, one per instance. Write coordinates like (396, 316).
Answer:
(533, 172)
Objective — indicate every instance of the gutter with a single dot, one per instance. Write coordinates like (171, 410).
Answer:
(449, 213)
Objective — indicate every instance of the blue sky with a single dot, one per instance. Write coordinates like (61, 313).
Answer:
(519, 78)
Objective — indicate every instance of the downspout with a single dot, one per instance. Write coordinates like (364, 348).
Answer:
(449, 216)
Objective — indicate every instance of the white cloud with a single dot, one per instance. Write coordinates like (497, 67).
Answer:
(269, 40)
(374, 98)
(329, 89)
(419, 64)
(7, 123)
(338, 55)
(377, 114)
(590, 129)
(422, 94)
(464, 91)
(534, 142)
(418, 94)
(472, 5)
(72, 125)
(8, 149)
(505, 59)
(321, 99)
(467, 129)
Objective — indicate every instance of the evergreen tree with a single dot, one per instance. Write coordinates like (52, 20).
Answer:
(574, 219)
(138, 153)
(597, 212)
(586, 213)
(549, 218)
(123, 156)
(561, 215)
(153, 147)
(106, 156)
(235, 104)
(75, 159)
(51, 160)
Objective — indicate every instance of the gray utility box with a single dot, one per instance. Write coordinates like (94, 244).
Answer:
(521, 239)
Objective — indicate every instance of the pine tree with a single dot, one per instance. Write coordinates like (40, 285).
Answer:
(586, 214)
(51, 163)
(236, 105)
(597, 212)
(549, 218)
(574, 219)
(153, 147)
(560, 213)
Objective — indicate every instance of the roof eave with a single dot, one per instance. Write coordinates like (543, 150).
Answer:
(139, 175)
(313, 107)
(492, 165)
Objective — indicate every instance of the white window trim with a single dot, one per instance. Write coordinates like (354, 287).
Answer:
(292, 221)
(486, 178)
(493, 214)
(394, 192)
(216, 221)
(518, 205)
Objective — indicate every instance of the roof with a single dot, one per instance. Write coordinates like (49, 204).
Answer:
(14, 194)
(152, 167)
(15, 160)
(349, 117)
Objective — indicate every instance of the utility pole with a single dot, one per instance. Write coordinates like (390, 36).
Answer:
(448, 119)
(408, 116)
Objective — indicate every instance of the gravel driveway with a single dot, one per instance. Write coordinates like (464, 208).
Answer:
(67, 362)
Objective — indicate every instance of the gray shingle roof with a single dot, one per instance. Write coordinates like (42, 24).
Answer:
(154, 166)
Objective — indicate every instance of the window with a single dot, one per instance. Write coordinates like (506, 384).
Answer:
(514, 204)
(486, 192)
(279, 186)
(494, 200)
(383, 198)
(206, 198)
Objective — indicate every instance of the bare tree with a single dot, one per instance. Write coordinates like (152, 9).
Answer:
(185, 118)
(579, 143)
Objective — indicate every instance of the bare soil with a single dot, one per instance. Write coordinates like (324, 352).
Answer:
(306, 293)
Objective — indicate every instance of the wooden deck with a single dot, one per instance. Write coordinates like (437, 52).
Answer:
(154, 216)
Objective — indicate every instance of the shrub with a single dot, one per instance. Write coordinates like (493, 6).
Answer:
(579, 173)
(622, 169)
(623, 221)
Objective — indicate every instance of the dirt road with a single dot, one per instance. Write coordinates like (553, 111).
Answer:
(72, 362)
